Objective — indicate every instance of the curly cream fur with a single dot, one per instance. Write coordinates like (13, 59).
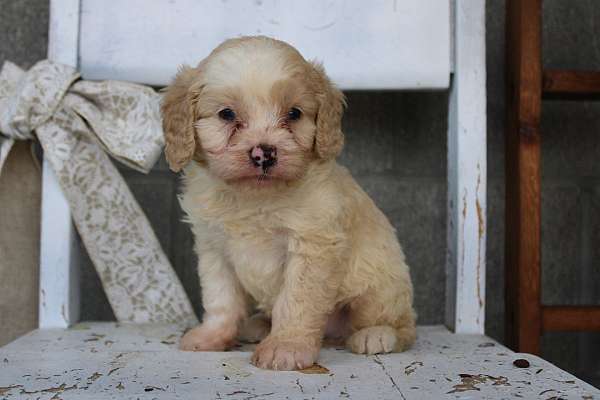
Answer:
(178, 119)
(309, 249)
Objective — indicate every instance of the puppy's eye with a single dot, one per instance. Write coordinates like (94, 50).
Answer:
(294, 114)
(227, 114)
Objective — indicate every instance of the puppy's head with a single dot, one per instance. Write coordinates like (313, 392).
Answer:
(253, 110)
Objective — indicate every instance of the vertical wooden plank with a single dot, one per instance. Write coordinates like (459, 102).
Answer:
(59, 282)
(467, 172)
(523, 96)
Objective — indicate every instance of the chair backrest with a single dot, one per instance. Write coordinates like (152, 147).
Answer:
(379, 44)
(394, 44)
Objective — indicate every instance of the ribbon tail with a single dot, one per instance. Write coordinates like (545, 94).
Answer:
(137, 277)
(5, 146)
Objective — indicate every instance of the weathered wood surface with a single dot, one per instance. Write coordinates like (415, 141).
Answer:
(59, 275)
(467, 173)
(380, 44)
(102, 360)
(571, 84)
(571, 318)
(523, 196)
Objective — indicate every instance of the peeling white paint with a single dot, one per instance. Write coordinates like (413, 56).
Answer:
(59, 279)
(144, 41)
(465, 264)
(143, 361)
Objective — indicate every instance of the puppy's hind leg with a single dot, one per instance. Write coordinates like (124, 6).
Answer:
(381, 325)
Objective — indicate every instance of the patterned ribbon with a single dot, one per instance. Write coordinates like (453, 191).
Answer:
(77, 123)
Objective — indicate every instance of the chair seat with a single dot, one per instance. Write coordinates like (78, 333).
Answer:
(111, 360)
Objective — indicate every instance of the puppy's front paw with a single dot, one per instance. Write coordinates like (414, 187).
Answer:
(284, 355)
(373, 340)
(205, 338)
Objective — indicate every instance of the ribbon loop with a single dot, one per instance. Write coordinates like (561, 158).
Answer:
(28, 99)
(74, 120)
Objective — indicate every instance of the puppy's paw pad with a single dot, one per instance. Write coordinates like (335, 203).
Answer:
(284, 355)
(373, 340)
(202, 338)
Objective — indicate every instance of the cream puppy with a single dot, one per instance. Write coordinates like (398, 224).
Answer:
(280, 227)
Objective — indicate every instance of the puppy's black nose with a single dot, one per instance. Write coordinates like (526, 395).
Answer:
(264, 156)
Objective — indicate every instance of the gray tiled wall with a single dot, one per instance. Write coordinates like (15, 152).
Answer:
(396, 147)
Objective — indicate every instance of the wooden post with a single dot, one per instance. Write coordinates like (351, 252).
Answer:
(59, 278)
(523, 96)
(467, 172)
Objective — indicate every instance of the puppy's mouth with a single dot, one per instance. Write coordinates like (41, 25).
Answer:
(261, 174)
(258, 179)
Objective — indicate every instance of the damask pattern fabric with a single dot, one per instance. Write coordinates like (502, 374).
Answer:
(79, 123)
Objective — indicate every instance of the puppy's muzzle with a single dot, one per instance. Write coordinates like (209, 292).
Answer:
(263, 156)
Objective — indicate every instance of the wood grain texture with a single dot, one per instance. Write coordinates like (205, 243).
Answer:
(571, 318)
(524, 89)
(571, 84)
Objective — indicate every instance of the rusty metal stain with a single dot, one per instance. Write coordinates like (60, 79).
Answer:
(57, 389)
(314, 369)
(6, 389)
(94, 337)
(94, 376)
(412, 367)
(548, 391)
(170, 340)
(470, 382)
(479, 238)
(479, 216)
(153, 388)
(462, 247)
(478, 204)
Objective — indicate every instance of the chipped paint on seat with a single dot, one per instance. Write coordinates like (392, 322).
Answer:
(111, 360)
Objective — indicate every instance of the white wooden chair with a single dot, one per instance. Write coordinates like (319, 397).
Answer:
(413, 48)
(389, 44)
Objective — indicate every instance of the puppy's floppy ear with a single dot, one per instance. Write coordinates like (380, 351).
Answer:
(329, 139)
(177, 110)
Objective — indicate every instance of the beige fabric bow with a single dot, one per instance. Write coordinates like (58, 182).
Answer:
(74, 120)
